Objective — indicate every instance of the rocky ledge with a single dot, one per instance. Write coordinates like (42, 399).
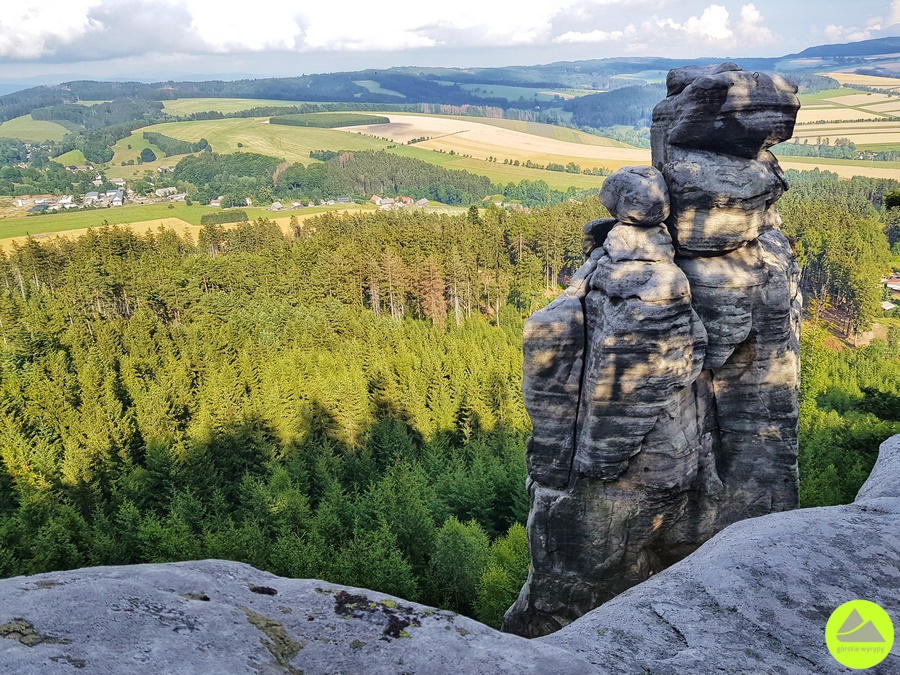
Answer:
(754, 599)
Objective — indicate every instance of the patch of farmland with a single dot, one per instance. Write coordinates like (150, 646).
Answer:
(832, 114)
(25, 128)
(891, 106)
(859, 99)
(845, 170)
(866, 80)
(470, 137)
(187, 106)
(546, 130)
(255, 135)
(375, 88)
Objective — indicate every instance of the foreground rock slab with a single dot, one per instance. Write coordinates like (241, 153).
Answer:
(756, 598)
(216, 617)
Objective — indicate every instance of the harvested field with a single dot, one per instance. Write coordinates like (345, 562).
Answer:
(866, 80)
(860, 99)
(811, 116)
(177, 224)
(479, 140)
(892, 106)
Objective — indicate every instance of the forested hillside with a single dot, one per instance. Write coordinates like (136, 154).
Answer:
(345, 404)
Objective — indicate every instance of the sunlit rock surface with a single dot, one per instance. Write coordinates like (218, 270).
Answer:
(662, 385)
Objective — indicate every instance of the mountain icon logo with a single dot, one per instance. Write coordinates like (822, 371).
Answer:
(859, 634)
(857, 629)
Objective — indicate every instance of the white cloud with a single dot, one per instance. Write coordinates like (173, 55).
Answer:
(711, 25)
(893, 16)
(256, 26)
(574, 37)
(751, 30)
(30, 30)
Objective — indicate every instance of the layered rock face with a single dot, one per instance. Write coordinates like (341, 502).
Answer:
(662, 385)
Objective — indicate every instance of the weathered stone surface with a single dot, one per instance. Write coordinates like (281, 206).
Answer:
(720, 202)
(595, 233)
(215, 616)
(685, 420)
(756, 598)
(629, 242)
(725, 110)
(636, 195)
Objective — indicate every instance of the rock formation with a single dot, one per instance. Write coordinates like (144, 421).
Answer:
(662, 385)
(754, 599)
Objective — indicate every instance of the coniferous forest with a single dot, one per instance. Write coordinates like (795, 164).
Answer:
(346, 403)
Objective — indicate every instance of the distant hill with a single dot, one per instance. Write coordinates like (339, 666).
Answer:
(879, 46)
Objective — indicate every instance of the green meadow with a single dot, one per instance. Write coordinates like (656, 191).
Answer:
(27, 129)
(294, 144)
(187, 106)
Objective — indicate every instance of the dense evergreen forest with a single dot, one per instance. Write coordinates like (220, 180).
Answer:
(345, 403)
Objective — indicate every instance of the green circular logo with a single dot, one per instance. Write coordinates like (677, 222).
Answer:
(859, 634)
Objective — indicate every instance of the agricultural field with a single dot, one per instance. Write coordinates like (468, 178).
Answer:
(328, 120)
(376, 88)
(546, 130)
(187, 106)
(257, 135)
(479, 140)
(868, 119)
(849, 79)
(73, 157)
(27, 129)
(295, 143)
(646, 76)
(140, 218)
(513, 93)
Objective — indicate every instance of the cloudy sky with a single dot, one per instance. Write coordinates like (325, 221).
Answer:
(49, 41)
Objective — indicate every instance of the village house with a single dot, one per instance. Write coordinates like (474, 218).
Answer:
(217, 201)
(165, 192)
(276, 206)
(90, 198)
(118, 182)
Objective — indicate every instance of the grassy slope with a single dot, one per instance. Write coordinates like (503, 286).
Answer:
(546, 131)
(26, 129)
(294, 144)
(75, 157)
(80, 219)
(375, 88)
(186, 106)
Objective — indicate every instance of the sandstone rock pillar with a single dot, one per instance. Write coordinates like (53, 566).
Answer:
(662, 385)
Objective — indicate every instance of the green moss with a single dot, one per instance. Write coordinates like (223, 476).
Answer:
(25, 633)
(280, 644)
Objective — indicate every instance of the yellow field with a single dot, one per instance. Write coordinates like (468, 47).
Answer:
(257, 135)
(863, 100)
(830, 114)
(180, 226)
(27, 129)
(866, 80)
(186, 106)
(545, 130)
(479, 140)
(846, 170)
(892, 106)
(295, 143)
